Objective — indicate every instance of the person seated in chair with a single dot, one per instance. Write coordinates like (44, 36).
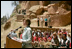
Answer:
(55, 41)
(44, 38)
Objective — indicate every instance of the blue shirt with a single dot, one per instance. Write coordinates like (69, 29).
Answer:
(45, 19)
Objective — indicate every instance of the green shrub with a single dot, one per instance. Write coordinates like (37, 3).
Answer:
(13, 14)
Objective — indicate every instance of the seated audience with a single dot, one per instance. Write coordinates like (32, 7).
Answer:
(60, 39)
(49, 38)
(55, 41)
(21, 34)
(40, 38)
(44, 38)
(65, 42)
(64, 31)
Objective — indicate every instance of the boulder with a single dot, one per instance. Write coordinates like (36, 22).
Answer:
(52, 10)
(45, 8)
(61, 10)
(37, 9)
(65, 6)
(61, 20)
(45, 13)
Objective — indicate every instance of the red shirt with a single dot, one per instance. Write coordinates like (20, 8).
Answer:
(46, 33)
(32, 37)
(32, 34)
(49, 38)
(35, 38)
(21, 36)
(65, 33)
(70, 44)
(45, 39)
(40, 38)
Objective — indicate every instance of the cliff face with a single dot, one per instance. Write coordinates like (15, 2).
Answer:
(43, 3)
(32, 3)
(57, 9)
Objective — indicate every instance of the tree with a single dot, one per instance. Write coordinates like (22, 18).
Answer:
(3, 19)
(16, 4)
(7, 15)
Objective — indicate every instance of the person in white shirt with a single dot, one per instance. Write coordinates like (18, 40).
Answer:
(42, 32)
(55, 41)
(34, 33)
(41, 19)
(14, 34)
(66, 42)
(26, 35)
(11, 32)
(60, 39)
(69, 37)
(49, 20)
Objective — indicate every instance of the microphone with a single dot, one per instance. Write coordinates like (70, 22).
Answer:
(13, 31)
(18, 28)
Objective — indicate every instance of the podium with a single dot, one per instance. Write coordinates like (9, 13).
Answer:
(12, 43)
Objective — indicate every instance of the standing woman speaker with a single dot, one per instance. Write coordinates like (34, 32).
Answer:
(27, 34)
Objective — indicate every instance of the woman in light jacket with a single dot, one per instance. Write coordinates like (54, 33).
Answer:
(26, 35)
